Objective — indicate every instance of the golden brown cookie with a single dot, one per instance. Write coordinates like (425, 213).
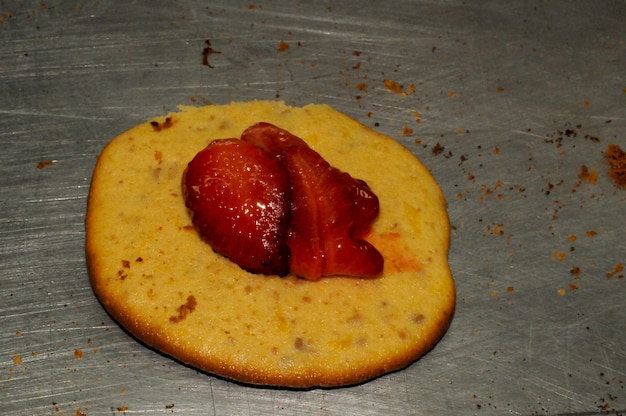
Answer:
(159, 280)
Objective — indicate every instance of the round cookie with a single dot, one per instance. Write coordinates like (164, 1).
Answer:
(156, 277)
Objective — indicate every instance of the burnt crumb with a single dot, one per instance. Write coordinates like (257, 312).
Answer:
(570, 133)
(437, 149)
(206, 52)
(160, 126)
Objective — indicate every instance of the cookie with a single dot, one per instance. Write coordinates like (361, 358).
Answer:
(157, 278)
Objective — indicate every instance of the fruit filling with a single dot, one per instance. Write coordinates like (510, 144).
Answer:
(274, 206)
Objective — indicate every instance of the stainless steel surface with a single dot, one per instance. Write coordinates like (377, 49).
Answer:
(510, 100)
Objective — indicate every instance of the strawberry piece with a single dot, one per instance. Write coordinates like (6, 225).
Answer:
(366, 204)
(329, 212)
(272, 139)
(238, 196)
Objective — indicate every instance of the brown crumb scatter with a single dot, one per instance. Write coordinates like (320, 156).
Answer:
(407, 131)
(78, 354)
(617, 161)
(184, 310)
(495, 229)
(575, 271)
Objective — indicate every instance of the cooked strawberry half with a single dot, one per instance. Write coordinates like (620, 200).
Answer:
(326, 219)
(272, 139)
(238, 196)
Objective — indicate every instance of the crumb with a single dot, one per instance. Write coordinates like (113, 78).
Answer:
(44, 164)
(561, 292)
(559, 255)
(206, 52)
(619, 267)
(588, 175)
(437, 149)
(617, 161)
(406, 131)
(283, 46)
(393, 86)
(78, 354)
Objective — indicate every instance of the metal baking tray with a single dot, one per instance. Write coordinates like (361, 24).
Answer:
(510, 104)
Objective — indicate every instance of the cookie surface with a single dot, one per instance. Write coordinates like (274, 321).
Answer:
(158, 279)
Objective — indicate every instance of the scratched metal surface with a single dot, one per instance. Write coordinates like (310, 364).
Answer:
(504, 101)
